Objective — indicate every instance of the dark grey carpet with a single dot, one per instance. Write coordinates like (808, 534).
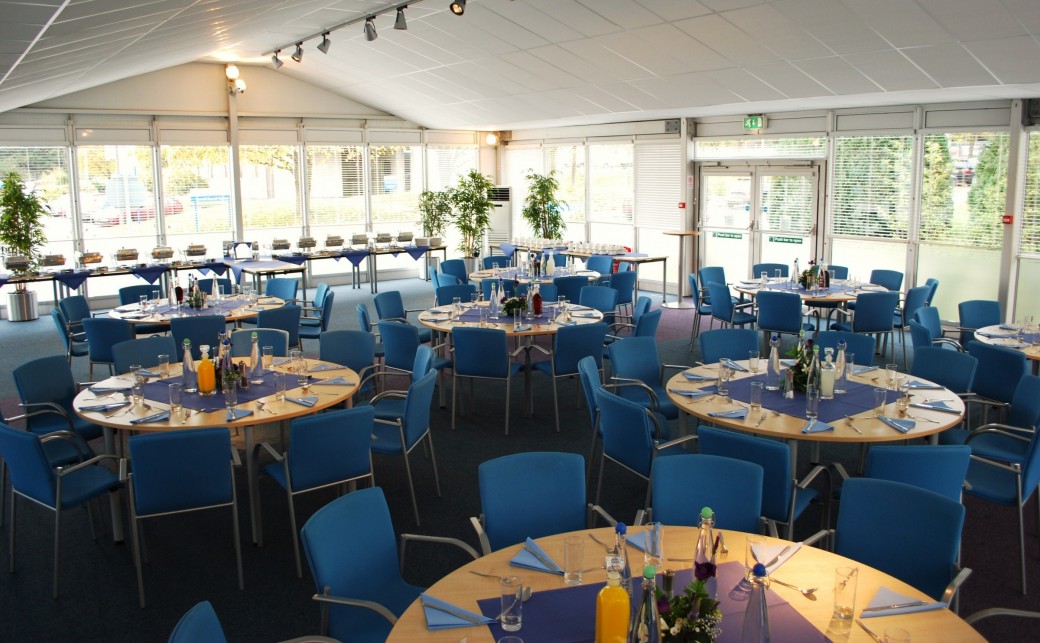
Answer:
(191, 558)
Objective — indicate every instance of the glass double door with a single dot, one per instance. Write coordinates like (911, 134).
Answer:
(758, 214)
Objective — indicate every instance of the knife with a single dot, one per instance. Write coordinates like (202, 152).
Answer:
(542, 559)
(777, 557)
(869, 631)
(454, 612)
(879, 608)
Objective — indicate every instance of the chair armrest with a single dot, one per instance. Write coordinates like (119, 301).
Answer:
(478, 526)
(536, 347)
(949, 342)
(355, 602)
(823, 533)
(236, 460)
(842, 471)
(955, 584)
(1015, 432)
(386, 394)
(66, 470)
(596, 510)
(676, 442)
(843, 312)
(750, 304)
(998, 611)
(43, 408)
(641, 515)
(278, 457)
(70, 436)
(1013, 467)
(816, 471)
(413, 310)
(621, 382)
(405, 538)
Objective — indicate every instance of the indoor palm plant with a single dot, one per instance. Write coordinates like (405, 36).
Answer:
(472, 207)
(21, 235)
(542, 209)
(434, 212)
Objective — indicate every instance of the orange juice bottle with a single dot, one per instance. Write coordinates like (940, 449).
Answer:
(612, 611)
(207, 373)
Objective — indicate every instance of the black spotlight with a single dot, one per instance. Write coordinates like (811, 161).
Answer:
(370, 30)
(298, 54)
(325, 43)
(400, 22)
(458, 7)
(275, 61)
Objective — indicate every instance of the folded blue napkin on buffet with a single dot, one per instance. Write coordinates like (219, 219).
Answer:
(111, 406)
(441, 615)
(336, 381)
(310, 400)
(694, 393)
(936, 405)
(238, 414)
(903, 426)
(734, 414)
(816, 427)
(889, 603)
(155, 417)
(695, 377)
(525, 558)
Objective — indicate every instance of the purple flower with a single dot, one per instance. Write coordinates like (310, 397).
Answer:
(808, 345)
(663, 606)
(703, 571)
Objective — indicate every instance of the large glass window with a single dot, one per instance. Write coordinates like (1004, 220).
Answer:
(396, 181)
(611, 183)
(569, 163)
(446, 164)
(270, 199)
(199, 179)
(1027, 299)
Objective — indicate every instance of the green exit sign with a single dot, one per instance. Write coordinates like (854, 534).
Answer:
(755, 122)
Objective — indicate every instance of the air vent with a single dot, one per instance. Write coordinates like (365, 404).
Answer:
(499, 194)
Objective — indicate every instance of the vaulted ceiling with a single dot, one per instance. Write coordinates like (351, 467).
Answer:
(510, 64)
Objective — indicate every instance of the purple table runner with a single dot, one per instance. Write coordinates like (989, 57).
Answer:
(150, 274)
(159, 391)
(297, 260)
(355, 256)
(858, 399)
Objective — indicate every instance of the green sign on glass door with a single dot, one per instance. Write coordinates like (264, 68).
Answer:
(727, 235)
(794, 240)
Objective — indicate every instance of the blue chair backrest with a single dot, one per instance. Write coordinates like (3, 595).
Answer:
(355, 349)
(647, 323)
(928, 316)
(890, 279)
(709, 274)
(46, 379)
(770, 270)
(490, 261)
(400, 342)
(779, 311)
(431, 272)
(416, 418)
(933, 285)
(625, 284)
(721, 304)
(276, 338)
(875, 513)
(732, 343)
(198, 625)
(953, 369)
(937, 467)
(59, 321)
(603, 264)
(281, 287)
(695, 292)
(331, 446)
(920, 337)
(774, 457)
(74, 309)
(591, 380)
(574, 343)
(320, 292)
(482, 352)
(641, 307)
(223, 283)
(999, 370)
(144, 351)
(389, 305)
(861, 347)
(31, 473)
(1025, 404)
(103, 333)
(628, 432)
(286, 318)
(446, 294)
(202, 329)
(602, 298)
(507, 286)
(874, 312)
(456, 268)
(840, 272)
(977, 313)
(570, 287)
(636, 358)
(133, 294)
(915, 300)
(553, 500)
(443, 279)
(177, 470)
(364, 321)
(683, 484)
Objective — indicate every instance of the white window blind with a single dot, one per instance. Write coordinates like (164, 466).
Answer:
(335, 185)
(658, 185)
(517, 163)
(569, 163)
(46, 170)
(445, 165)
(611, 182)
(872, 186)
(787, 202)
(199, 178)
(396, 181)
(760, 148)
(270, 200)
(1029, 244)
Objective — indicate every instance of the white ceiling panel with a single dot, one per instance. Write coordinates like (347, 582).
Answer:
(1011, 60)
(744, 85)
(789, 80)
(833, 24)
(776, 32)
(837, 75)
(680, 46)
(582, 19)
(623, 13)
(653, 56)
(950, 65)
(1027, 12)
(672, 10)
(621, 67)
(900, 22)
(973, 19)
(572, 64)
(727, 40)
(890, 70)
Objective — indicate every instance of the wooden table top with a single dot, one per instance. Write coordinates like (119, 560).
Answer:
(328, 395)
(790, 426)
(1004, 335)
(752, 287)
(435, 319)
(510, 273)
(809, 567)
(242, 310)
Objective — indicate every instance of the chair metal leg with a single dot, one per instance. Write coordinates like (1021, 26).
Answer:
(136, 537)
(1021, 533)
(411, 484)
(57, 544)
(295, 534)
(599, 483)
(14, 504)
(509, 390)
(556, 405)
(433, 461)
(3, 490)
(238, 537)
(454, 397)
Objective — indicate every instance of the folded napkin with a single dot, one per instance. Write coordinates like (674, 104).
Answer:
(577, 307)
(788, 362)
(1007, 327)
(128, 307)
(325, 367)
(817, 427)
(734, 414)
(437, 317)
(859, 370)
(238, 414)
(637, 540)
(310, 400)
(691, 394)
(522, 328)
(766, 553)
(149, 373)
(731, 364)
(101, 390)
(524, 558)
(923, 385)
(104, 407)
(131, 315)
(585, 315)
(282, 360)
(936, 405)
(991, 335)
(903, 426)
(751, 282)
(565, 323)
(154, 417)
(335, 381)
(1011, 344)
(883, 602)
(441, 615)
(694, 377)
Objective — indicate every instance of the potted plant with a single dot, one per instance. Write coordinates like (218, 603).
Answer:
(434, 213)
(21, 234)
(472, 206)
(542, 209)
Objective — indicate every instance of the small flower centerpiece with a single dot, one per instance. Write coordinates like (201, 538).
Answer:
(691, 615)
(810, 277)
(802, 355)
(512, 305)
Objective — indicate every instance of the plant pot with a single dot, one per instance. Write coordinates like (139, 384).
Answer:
(21, 305)
(470, 263)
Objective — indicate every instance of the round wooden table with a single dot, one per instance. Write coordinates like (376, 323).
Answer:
(511, 273)
(836, 294)
(234, 308)
(215, 413)
(809, 567)
(1006, 335)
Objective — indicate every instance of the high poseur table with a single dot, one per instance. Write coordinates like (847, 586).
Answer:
(681, 283)
(573, 608)
(257, 405)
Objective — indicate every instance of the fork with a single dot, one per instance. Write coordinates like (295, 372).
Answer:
(922, 419)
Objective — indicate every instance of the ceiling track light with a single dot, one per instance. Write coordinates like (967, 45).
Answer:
(275, 61)
(298, 54)
(458, 7)
(370, 29)
(325, 43)
(400, 23)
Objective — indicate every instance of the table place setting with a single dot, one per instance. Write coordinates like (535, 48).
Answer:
(889, 603)
(307, 401)
(334, 381)
(734, 414)
(935, 405)
(104, 408)
(693, 394)
(442, 615)
(774, 555)
(692, 376)
(903, 426)
(161, 416)
(532, 556)
(815, 426)
(317, 368)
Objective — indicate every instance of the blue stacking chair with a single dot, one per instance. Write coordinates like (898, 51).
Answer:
(281, 287)
(683, 484)
(770, 270)
(933, 285)
(276, 338)
(203, 329)
(178, 472)
(570, 287)
(508, 286)
(455, 268)
(355, 349)
(286, 318)
(74, 309)
(603, 264)
(223, 283)
(914, 301)
(103, 333)
(638, 374)
(325, 450)
(313, 327)
(633, 438)
(952, 369)
(46, 389)
(936, 467)
(727, 343)
(570, 345)
(873, 315)
(34, 477)
(400, 343)
(443, 279)
(723, 308)
(547, 291)
(591, 378)
(645, 326)
(975, 314)
(75, 342)
(144, 351)
(700, 308)
(874, 514)
(928, 318)
(198, 625)
(552, 502)
(840, 272)
(1002, 440)
(390, 306)
(892, 280)
(365, 324)
(711, 274)
(998, 373)
(625, 284)
(780, 312)
(132, 295)
(861, 347)
(431, 273)
(446, 294)
(400, 436)
(390, 405)
(361, 592)
(783, 497)
(483, 353)
(601, 298)
(489, 261)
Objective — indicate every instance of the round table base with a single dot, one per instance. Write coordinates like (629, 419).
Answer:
(677, 305)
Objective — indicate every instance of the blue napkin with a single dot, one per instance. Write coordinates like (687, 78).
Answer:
(903, 426)
(1014, 345)
(691, 394)
(924, 385)
(937, 405)
(734, 414)
(585, 315)
(637, 540)
(817, 427)
(520, 329)
(566, 323)
(994, 335)
(104, 407)
(281, 360)
(859, 370)
(337, 381)
(101, 390)
(526, 559)
(694, 377)
(788, 362)
(239, 414)
(440, 616)
(886, 597)
(731, 364)
(149, 373)
(1007, 327)
(310, 400)
(154, 417)
(430, 317)
(325, 367)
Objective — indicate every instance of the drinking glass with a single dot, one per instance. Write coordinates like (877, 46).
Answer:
(456, 305)
(753, 361)
(756, 395)
(268, 357)
(653, 553)
(722, 385)
(777, 274)
(892, 374)
(164, 366)
(512, 589)
(142, 301)
(903, 401)
(844, 592)
(573, 559)
(136, 382)
(279, 386)
(879, 402)
(176, 400)
(230, 390)
(483, 316)
(765, 277)
(516, 320)
(896, 635)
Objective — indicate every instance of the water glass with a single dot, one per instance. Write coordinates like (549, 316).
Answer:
(483, 316)
(279, 386)
(752, 541)
(516, 320)
(896, 635)
(176, 400)
(844, 592)
(841, 384)
(511, 589)
(765, 277)
(136, 382)
(756, 395)
(164, 366)
(812, 402)
(722, 385)
(268, 357)
(753, 361)
(456, 306)
(777, 274)
(879, 402)
(142, 301)
(891, 373)
(230, 391)
(573, 559)
(653, 552)
(903, 401)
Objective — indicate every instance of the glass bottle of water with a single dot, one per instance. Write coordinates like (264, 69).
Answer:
(704, 555)
(645, 627)
(813, 376)
(257, 368)
(756, 616)
(618, 557)
(188, 374)
(773, 365)
(827, 375)
(840, 379)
